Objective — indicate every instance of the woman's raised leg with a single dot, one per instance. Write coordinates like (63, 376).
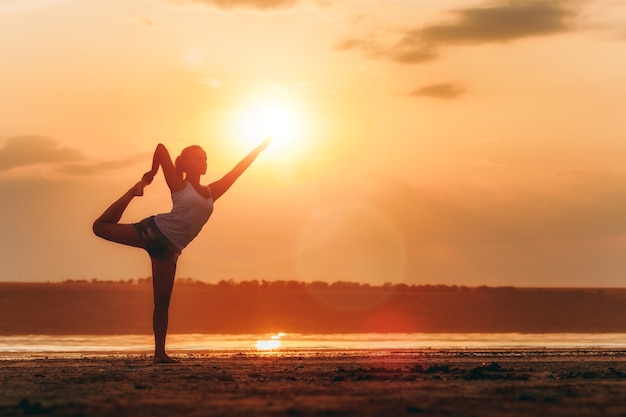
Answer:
(107, 227)
(163, 273)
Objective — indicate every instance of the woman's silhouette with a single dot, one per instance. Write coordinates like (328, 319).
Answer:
(164, 235)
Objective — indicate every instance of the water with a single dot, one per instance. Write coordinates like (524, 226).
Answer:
(178, 343)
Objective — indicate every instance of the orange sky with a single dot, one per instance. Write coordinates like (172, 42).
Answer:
(443, 142)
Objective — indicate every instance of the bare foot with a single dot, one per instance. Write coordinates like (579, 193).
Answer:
(137, 189)
(164, 359)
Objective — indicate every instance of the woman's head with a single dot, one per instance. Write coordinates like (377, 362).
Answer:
(192, 160)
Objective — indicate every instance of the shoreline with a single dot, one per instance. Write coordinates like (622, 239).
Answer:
(554, 382)
(286, 342)
(434, 352)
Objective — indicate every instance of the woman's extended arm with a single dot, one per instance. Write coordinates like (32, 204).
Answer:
(162, 158)
(222, 185)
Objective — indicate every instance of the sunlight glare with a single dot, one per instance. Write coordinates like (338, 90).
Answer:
(274, 118)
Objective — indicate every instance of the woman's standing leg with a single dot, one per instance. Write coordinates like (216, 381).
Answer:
(163, 273)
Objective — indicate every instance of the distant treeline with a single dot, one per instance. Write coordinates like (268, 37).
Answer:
(275, 284)
(337, 285)
(259, 306)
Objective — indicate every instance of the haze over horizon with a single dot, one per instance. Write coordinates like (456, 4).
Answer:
(452, 142)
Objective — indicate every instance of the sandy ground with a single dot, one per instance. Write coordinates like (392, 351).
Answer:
(374, 383)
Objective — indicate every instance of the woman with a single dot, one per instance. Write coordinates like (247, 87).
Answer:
(165, 235)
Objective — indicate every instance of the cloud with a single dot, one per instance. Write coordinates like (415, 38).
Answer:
(23, 151)
(33, 150)
(147, 22)
(441, 90)
(400, 54)
(348, 44)
(501, 21)
(240, 4)
(412, 55)
(97, 167)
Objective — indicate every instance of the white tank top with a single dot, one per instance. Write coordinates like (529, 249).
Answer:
(190, 212)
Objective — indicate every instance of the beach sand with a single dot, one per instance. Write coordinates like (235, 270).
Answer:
(325, 383)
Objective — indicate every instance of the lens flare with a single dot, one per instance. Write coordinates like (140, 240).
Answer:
(353, 241)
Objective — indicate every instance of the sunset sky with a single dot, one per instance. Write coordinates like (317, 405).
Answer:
(459, 142)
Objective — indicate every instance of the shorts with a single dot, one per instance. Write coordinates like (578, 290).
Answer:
(156, 244)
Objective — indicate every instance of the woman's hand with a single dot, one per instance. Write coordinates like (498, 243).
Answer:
(147, 177)
(264, 144)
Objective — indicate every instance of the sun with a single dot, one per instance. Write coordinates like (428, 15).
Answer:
(269, 119)
(279, 119)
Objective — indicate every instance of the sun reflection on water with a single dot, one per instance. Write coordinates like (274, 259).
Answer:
(272, 343)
